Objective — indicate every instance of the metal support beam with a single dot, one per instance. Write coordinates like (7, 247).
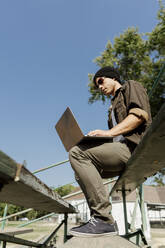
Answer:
(50, 166)
(157, 80)
(32, 221)
(10, 239)
(13, 215)
(139, 234)
(53, 234)
(4, 244)
(133, 220)
(65, 226)
(142, 208)
(4, 215)
(125, 211)
(109, 189)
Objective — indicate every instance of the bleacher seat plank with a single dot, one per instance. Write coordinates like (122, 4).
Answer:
(98, 242)
(147, 159)
(16, 231)
(20, 187)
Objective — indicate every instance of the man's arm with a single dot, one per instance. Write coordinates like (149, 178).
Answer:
(128, 124)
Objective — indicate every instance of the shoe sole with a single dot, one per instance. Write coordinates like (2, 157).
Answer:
(84, 235)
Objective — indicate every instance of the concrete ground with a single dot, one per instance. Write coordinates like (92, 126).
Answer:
(44, 228)
(158, 238)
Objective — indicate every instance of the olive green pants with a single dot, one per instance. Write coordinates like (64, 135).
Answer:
(93, 161)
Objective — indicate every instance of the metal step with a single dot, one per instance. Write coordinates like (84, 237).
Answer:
(98, 242)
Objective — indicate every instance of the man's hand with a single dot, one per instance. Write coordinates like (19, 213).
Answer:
(128, 124)
(100, 133)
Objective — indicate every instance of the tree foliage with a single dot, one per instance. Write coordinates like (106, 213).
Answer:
(12, 209)
(138, 57)
(158, 179)
(64, 190)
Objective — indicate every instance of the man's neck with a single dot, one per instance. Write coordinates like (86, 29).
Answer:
(117, 86)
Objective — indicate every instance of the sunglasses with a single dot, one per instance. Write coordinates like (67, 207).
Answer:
(100, 81)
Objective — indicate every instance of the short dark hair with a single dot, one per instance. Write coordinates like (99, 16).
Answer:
(109, 72)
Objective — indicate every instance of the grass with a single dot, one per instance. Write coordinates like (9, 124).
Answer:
(41, 229)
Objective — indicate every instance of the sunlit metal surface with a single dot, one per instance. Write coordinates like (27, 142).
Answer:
(148, 158)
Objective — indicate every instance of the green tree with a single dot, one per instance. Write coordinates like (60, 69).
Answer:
(64, 190)
(157, 180)
(12, 209)
(35, 214)
(139, 57)
(2, 207)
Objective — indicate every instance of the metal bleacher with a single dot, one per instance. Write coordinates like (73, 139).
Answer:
(147, 159)
(20, 187)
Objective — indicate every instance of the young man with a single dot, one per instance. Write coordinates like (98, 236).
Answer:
(129, 116)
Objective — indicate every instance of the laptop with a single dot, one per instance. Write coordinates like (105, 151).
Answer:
(71, 134)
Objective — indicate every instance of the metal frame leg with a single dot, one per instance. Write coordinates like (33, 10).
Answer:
(4, 244)
(140, 232)
(125, 211)
(65, 227)
(142, 208)
(51, 236)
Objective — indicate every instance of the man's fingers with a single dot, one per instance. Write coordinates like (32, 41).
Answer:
(92, 133)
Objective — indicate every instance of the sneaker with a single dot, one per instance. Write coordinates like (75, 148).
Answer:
(95, 227)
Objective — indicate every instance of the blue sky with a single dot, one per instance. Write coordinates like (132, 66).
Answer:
(47, 49)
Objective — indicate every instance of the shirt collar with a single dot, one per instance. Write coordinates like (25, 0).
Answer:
(117, 92)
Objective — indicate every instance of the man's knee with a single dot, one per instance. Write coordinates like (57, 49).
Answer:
(74, 152)
(74, 155)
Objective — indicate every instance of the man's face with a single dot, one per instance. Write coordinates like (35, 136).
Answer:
(106, 85)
